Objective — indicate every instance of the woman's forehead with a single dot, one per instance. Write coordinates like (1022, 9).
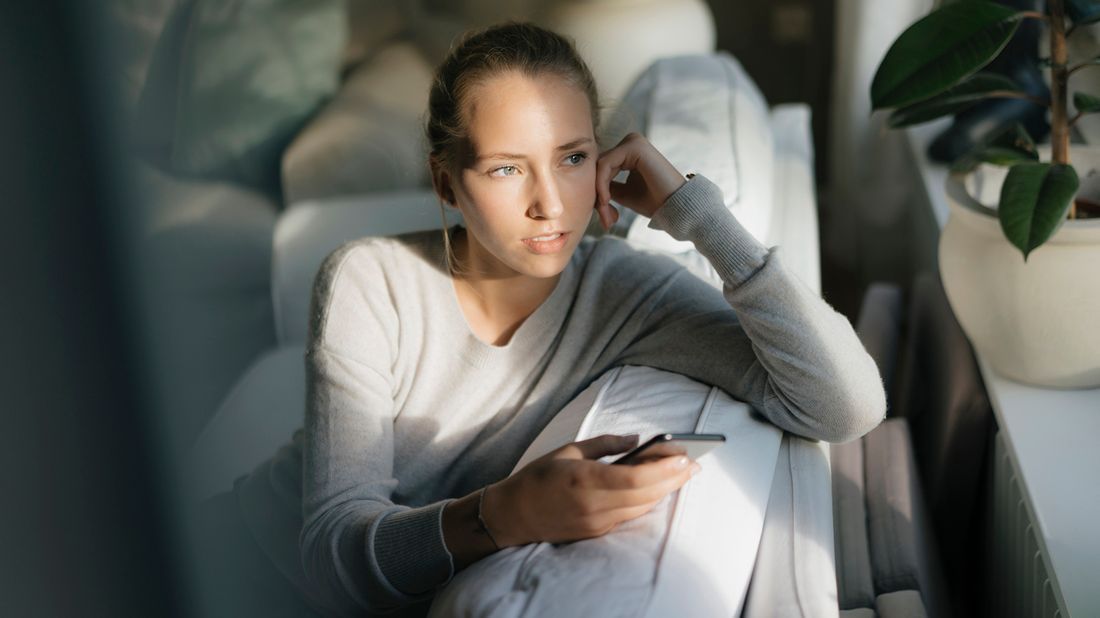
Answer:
(512, 112)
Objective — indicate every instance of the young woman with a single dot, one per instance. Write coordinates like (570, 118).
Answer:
(435, 358)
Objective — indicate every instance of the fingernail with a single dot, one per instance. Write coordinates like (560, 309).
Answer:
(681, 462)
(630, 437)
(695, 468)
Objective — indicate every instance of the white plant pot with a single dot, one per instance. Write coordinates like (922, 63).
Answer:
(1034, 322)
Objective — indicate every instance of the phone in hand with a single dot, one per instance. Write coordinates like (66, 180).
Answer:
(694, 445)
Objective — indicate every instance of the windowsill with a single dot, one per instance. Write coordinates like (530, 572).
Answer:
(1051, 436)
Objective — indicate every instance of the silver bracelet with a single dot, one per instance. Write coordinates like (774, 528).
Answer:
(480, 499)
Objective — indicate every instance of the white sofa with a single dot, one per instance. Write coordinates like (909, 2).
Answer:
(775, 193)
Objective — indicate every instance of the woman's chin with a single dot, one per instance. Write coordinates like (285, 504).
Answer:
(545, 267)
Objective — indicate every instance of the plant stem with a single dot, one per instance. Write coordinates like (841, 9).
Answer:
(1059, 125)
(1077, 67)
(1059, 77)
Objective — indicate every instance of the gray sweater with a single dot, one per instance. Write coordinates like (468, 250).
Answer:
(406, 409)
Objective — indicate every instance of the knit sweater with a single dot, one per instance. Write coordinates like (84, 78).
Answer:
(407, 409)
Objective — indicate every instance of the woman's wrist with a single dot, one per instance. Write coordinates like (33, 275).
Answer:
(462, 534)
(470, 527)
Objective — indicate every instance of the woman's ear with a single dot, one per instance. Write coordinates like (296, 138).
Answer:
(442, 182)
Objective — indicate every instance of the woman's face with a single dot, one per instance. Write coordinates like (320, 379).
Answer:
(531, 173)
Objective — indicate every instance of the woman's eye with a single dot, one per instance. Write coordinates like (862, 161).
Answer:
(504, 170)
(576, 158)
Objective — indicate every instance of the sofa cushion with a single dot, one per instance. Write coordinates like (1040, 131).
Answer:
(706, 115)
(265, 406)
(794, 574)
(369, 137)
(903, 548)
(306, 233)
(372, 23)
(855, 587)
(900, 604)
(232, 81)
(203, 258)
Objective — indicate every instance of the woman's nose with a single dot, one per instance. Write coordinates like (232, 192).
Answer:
(546, 200)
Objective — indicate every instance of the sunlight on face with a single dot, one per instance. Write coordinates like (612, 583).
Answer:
(533, 171)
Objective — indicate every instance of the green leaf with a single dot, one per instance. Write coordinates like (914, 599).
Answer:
(1083, 11)
(1086, 103)
(1005, 147)
(1034, 201)
(956, 98)
(996, 155)
(940, 49)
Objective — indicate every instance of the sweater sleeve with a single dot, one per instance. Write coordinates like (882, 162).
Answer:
(767, 339)
(361, 552)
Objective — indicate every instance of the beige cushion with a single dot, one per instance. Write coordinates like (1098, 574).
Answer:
(369, 137)
(372, 23)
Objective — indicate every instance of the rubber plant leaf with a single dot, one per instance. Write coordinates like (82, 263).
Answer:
(954, 99)
(1034, 201)
(1083, 11)
(1006, 147)
(940, 50)
(1086, 103)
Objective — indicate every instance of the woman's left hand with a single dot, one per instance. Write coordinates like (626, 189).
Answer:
(650, 181)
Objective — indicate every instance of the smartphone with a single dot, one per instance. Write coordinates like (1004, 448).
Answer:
(694, 445)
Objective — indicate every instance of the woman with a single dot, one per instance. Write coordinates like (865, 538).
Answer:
(435, 358)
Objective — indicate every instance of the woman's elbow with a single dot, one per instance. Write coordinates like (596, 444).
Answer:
(864, 408)
(318, 555)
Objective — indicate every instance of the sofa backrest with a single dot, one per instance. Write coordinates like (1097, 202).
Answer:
(308, 232)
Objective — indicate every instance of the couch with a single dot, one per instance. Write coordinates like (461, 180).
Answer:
(772, 194)
(228, 261)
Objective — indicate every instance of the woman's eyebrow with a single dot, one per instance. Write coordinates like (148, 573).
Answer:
(507, 155)
(575, 143)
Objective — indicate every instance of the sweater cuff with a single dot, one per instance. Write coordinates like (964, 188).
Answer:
(410, 550)
(697, 212)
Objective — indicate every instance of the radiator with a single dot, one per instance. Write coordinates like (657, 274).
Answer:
(1019, 573)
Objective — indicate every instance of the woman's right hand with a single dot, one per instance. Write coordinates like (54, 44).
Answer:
(566, 495)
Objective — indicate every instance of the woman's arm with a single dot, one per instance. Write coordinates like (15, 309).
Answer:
(360, 550)
(766, 339)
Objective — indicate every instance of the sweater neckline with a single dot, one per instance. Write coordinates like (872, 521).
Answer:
(539, 328)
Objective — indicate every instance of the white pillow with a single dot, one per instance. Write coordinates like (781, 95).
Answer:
(706, 115)
(693, 555)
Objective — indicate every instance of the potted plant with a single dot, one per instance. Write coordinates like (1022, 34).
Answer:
(1020, 253)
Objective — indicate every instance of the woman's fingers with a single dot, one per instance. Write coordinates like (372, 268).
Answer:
(622, 157)
(651, 178)
(607, 521)
(599, 446)
(652, 488)
(608, 165)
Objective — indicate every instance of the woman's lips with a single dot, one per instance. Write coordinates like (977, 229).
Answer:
(547, 246)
